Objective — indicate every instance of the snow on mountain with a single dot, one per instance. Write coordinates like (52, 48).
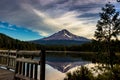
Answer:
(65, 35)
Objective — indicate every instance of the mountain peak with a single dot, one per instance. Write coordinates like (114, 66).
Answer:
(65, 35)
(64, 30)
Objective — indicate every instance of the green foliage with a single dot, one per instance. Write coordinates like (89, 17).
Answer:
(84, 74)
(93, 46)
(109, 24)
(108, 27)
(10, 43)
(110, 74)
(80, 74)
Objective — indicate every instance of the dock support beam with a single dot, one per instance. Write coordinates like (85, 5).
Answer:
(42, 65)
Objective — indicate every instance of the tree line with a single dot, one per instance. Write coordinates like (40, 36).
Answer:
(7, 42)
(93, 46)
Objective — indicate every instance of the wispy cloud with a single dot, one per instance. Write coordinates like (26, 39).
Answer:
(49, 16)
(6, 25)
(69, 21)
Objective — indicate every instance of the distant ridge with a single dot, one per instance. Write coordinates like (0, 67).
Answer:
(63, 37)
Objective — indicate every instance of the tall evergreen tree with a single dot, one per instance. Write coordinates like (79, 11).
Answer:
(118, 0)
(108, 27)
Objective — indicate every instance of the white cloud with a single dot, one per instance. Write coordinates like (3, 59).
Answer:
(49, 16)
(10, 28)
(67, 21)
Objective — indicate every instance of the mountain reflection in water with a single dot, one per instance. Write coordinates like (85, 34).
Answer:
(58, 70)
(63, 64)
(58, 66)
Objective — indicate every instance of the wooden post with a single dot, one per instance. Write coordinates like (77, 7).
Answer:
(16, 69)
(31, 71)
(20, 68)
(27, 74)
(8, 59)
(23, 70)
(17, 64)
(42, 65)
(35, 72)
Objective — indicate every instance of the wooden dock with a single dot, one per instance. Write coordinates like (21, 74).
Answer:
(6, 74)
(23, 63)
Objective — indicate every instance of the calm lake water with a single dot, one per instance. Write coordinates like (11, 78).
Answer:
(57, 65)
(56, 70)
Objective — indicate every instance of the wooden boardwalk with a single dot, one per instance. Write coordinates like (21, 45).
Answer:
(24, 63)
(6, 74)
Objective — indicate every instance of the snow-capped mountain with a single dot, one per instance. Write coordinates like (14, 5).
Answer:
(65, 35)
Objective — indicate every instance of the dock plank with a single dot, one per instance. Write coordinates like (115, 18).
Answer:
(6, 74)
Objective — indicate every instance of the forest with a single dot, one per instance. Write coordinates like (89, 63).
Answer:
(7, 42)
(93, 46)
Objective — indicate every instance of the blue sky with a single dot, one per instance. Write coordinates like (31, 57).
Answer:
(34, 19)
(18, 32)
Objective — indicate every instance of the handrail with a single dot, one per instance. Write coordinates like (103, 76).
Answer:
(24, 64)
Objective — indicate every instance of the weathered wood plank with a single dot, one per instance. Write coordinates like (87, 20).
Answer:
(27, 60)
(29, 53)
(6, 74)
(14, 57)
(23, 77)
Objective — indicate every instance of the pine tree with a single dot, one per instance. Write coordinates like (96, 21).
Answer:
(108, 27)
(118, 0)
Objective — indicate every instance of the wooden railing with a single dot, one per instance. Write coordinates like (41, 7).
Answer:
(24, 63)
(7, 59)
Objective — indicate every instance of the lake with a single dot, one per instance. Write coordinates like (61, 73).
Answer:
(58, 64)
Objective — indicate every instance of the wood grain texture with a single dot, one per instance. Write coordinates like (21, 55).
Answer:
(6, 74)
